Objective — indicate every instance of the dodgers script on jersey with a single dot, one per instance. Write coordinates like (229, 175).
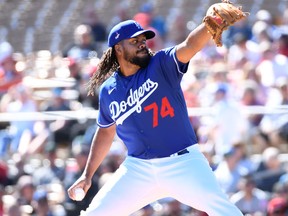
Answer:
(145, 100)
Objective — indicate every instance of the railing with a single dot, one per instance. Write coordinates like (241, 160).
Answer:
(89, 113)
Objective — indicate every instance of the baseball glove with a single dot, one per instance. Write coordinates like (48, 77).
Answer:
(220, 16)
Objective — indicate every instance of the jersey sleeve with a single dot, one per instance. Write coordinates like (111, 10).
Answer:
(171, 68)
(104, 119)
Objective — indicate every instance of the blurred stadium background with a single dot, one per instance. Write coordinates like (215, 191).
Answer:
(39, 30)
(32, 25)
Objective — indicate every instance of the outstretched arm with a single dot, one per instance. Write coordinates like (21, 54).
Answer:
(100, 146)
(218, 18)
(194, 42)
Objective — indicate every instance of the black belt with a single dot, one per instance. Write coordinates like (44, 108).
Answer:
(184, 151)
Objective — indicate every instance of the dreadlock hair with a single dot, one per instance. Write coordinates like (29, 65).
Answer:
(107, 65)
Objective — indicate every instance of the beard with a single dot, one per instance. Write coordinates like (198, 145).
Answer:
(142, 61)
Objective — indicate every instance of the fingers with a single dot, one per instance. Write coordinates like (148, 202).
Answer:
(81, 183)
(72, 191)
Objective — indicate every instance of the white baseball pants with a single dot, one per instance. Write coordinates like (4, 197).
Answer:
(187, 178)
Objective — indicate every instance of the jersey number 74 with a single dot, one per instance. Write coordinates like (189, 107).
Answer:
(165, 110)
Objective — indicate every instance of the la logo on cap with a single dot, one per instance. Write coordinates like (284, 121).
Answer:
(127, 29)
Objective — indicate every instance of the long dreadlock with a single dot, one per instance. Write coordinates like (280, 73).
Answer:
(108, 64)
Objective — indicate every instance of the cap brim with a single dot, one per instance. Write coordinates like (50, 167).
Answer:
(148, 33)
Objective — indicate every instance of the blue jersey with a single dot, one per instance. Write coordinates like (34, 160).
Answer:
(148, 108)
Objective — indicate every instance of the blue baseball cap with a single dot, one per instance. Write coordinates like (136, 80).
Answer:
(125, 30)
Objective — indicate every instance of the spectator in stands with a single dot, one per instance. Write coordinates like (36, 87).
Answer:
(176, 29)
(49, 172)
(209, 79)
(277, 207)
(249, 75)
(92, 19)
(282, 86)
(273, 124)
(144, 19)
(121, 13)
(80, 72)
(280, 189)
(250, 199)
(272, 66)
(9, 75)
(14, 210)
(20, 133)
(266, 17)
(250, 97)
(24, 192)
(83, 47)
(4, 172)
(229, 171)
(279, 202)
(17, 167)
(59, 128)
(242, 27)
(242, 51)
(157, 21)
(75, 68)
(260, 33)
(241, 149)
(41, 203)
(279, 97)
(226, 111)
(283, 26)
(283, 135)
(282, 44)
(269, 170)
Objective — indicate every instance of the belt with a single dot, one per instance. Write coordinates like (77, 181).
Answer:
(184, 151)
